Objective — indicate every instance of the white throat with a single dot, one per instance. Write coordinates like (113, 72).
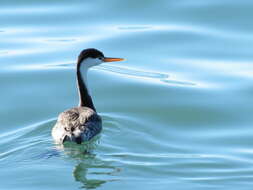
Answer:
(84, 73)
(85, 66)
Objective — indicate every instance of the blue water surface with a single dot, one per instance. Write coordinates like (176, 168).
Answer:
(176, 114)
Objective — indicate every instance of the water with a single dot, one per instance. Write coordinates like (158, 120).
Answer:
(176, 114)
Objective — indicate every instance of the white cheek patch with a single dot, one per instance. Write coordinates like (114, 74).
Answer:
(85, 65)
(90, 62)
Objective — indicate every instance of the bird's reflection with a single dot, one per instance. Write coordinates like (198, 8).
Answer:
(90, 171)
(82, 171)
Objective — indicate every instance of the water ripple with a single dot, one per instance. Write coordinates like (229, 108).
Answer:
(141, 74)
(23, 139)
(125, 71)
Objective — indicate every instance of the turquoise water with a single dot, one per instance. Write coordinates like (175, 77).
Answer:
(176, 114)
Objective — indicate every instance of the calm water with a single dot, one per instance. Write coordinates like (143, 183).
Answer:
(176, 115)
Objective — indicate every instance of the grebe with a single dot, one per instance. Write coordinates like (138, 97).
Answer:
(81, 123)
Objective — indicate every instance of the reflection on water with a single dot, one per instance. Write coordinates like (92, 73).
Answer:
(89, 170)
(80, 173)
(94, 175)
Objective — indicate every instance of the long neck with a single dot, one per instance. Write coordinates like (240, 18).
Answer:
(84, 96)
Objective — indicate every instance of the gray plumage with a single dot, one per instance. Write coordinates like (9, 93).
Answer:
(77, 124)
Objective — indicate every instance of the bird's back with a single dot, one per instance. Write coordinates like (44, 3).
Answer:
(77, 124)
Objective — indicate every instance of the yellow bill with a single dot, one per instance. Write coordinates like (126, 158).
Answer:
(110, 59)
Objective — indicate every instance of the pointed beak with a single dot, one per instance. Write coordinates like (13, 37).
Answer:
(110, 59)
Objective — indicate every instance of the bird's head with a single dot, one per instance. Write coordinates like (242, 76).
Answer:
(92, 57)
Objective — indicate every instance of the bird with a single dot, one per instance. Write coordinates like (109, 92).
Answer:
(81, 123)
